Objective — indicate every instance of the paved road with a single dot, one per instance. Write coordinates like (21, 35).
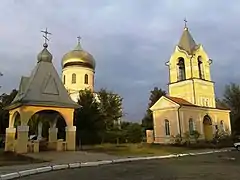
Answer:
(220, 166)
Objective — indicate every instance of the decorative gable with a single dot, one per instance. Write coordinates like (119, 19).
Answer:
(50, 86)
(164, 103)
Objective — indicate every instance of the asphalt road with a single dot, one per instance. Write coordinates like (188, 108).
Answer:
(218, 166)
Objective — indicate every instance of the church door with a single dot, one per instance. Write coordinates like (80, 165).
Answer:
(207, 128)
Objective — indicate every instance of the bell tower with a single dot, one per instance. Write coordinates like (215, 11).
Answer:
(189, 72)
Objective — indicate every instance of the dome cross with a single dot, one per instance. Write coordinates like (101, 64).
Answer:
(45, 36)
(79, 38)
(185, 23)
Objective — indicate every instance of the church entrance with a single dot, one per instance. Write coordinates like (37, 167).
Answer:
(207, 128)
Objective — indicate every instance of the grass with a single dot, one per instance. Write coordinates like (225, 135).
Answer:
(136, 149)
(10, 158)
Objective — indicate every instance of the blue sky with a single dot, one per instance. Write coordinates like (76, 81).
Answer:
(130, 40)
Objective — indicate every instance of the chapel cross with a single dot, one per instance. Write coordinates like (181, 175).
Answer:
(46, 35)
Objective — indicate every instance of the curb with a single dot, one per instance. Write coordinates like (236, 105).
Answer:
(56, 167)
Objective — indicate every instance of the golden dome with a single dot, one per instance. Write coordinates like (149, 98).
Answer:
(84, 58)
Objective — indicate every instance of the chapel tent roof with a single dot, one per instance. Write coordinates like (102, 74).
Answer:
(43, 87)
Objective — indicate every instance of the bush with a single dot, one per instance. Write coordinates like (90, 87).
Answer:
(186, 139)
(196, 135)
(177, 140)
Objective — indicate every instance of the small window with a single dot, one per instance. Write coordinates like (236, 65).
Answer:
(74, 78)
(64, 79)
(222, 128)
(191, 126)
(86, 79)
(167, 127)
(207, 102)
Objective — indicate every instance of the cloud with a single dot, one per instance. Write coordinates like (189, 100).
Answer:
(130, 40)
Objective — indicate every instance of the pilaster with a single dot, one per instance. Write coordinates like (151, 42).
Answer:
(71, 138)
(22, 139)
(10, 139)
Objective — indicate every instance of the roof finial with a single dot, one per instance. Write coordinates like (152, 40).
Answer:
(79, 38)
(185, 23)
(45, 36)
(78, 47)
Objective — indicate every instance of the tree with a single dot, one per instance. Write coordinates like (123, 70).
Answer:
(155, 95)
(99, 116)
(232, 99)
(5, 100)
(111, 108)
(88, 118)
(133, 132)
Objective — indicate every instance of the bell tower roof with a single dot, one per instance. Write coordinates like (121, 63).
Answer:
(187, 42)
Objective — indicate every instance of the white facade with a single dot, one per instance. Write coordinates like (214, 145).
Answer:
(76, 79)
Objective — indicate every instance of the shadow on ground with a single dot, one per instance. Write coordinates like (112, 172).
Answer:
(10, 158)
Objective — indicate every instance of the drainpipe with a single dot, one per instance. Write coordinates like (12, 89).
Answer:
(179, 122)
(167, 64)
(194, 94)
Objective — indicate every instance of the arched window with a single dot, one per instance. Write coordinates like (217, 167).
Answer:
(222, 128)
(191, 126)
(167, 128)
(86, 79)
(200, 67)
(64, 79)
(74, 78)
(181, 69)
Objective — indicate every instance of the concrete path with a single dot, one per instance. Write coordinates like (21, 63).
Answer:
(58, 158)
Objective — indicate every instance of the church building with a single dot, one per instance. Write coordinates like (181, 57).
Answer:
(78, 69)
(190, 104)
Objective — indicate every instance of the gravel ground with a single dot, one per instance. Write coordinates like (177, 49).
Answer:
(218, 166)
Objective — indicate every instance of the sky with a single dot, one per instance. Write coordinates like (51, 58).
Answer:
(130, 40)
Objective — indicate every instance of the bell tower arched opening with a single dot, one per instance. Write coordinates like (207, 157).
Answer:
(200, 68)
(181, 69)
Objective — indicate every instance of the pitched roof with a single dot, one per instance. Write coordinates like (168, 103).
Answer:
(180, 101)
(222, 106)
(184, 102)
(44, 87)
(187, 42)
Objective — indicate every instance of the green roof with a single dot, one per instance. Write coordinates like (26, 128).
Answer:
(44, 88)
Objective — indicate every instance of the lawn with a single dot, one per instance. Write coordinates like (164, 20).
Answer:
(10, 158)
(136, 149)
